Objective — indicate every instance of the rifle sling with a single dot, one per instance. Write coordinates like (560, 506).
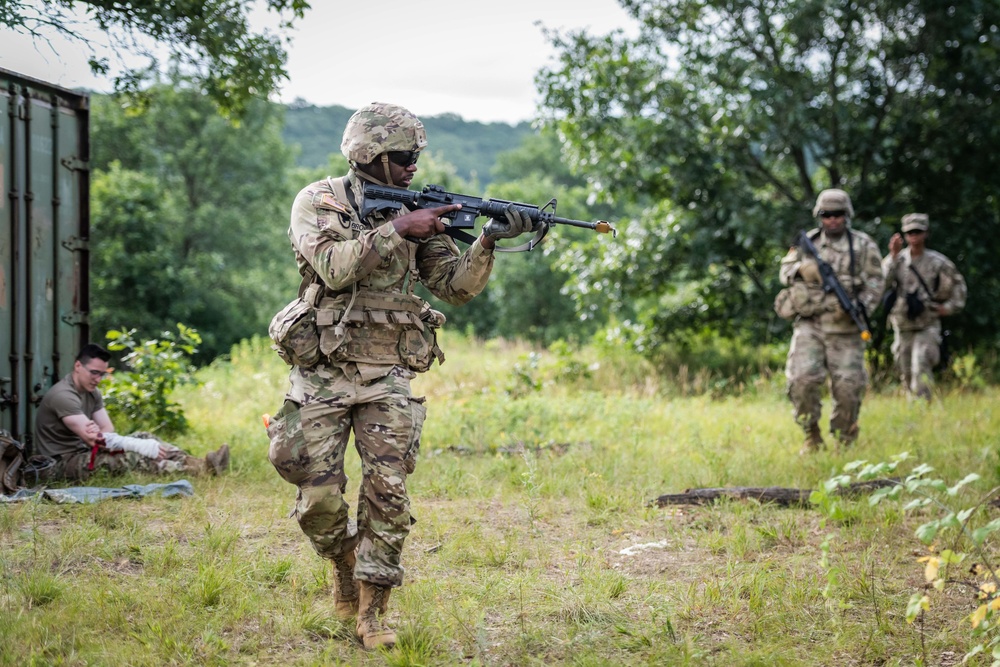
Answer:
(850, 252)
(930, 294)
(464, 237)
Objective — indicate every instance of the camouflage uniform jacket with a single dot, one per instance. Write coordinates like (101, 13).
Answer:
(331, 240)
(865, 285)
(939, 274)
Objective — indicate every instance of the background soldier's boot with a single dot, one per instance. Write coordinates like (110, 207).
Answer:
(813, 441)
(373, 604)
(218, 461)
(345, 586)
(848, 437)
(195, 466)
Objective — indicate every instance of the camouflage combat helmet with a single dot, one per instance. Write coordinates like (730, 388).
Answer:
(833, 200)
(378, 128)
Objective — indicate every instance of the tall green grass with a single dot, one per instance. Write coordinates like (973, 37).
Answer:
(536, 471)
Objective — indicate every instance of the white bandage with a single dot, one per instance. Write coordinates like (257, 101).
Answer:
(144, 446)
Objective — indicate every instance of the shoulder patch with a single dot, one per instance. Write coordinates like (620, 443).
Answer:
(327, 201)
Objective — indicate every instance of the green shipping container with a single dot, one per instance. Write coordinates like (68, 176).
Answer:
(44, 227)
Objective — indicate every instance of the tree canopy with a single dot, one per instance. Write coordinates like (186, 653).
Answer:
(724, 118)
(211, 39)
(189, 217)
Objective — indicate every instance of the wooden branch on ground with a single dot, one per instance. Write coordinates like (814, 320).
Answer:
(765, 494)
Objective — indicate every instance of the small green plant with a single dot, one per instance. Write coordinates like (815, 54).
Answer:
(967, 373)
(140, 394)
(524, 376)
(529, 479)
(568, 365)
(955, 520)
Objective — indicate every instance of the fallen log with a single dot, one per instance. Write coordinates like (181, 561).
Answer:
(764, 494)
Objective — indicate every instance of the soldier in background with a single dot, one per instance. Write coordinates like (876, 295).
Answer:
(825, 340)
(73, 428)
(928, 287)
(372, 336)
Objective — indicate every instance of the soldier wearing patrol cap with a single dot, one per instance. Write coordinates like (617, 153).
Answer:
(928, 287)
(825, 340)
(366, 336)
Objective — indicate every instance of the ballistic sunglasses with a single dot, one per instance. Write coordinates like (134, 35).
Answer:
(403, 158)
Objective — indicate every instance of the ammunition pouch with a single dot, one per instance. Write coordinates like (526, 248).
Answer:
(797, 300)
(287, 451)
(380, 328)
(293, 330)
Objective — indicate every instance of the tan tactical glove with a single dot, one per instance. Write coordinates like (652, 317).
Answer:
(809, 270)
(514, 224)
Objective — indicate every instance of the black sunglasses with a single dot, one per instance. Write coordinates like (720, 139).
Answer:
(830, 214)
(403, 158)
(913, 232)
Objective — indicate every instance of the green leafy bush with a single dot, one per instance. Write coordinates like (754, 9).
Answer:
(138, 397)
(957, 531)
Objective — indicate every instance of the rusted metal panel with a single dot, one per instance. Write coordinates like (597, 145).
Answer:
(44, 231)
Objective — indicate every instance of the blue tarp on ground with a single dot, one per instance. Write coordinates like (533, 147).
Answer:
(93, 494)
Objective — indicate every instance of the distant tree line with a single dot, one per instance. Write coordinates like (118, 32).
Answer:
(470, 146)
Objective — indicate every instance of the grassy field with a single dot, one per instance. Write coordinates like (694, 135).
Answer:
(536, 543)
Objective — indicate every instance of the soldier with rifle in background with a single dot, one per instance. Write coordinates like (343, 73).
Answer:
(928, 287)
(833, 278)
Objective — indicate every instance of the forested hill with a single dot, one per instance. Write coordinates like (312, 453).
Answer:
(471, 146)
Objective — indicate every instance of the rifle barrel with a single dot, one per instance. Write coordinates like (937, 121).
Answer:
(599, 226)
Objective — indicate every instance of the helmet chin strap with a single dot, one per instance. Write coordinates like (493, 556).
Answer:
(388, 175)
(365, 176)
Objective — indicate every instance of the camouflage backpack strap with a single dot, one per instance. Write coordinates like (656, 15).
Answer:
(310, 279)
(341, 188)
(850, 252)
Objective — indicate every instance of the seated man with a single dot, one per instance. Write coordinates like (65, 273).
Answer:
(71, 421)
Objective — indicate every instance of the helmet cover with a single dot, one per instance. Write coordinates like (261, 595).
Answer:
(378, 128)
(833, 200)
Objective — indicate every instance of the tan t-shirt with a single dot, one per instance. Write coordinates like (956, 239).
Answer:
(52, 436)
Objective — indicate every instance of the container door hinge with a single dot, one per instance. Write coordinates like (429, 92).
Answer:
(76, 243)
(76, 318)
(74, 163)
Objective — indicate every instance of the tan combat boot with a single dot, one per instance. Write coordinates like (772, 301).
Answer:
(813, 441)
(372, 607)
(345, 586)
(193, 465)
(217, 461)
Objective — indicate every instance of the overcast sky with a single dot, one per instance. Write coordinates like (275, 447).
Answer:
(432, 56)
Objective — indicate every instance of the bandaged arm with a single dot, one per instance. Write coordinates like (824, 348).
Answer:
(144, 446)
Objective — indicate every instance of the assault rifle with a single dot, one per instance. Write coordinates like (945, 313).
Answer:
(383, 197)
(831, 284)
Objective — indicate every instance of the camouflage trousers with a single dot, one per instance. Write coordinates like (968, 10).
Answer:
(308, 444)
(75, 466)
(916, 353)
(812, 356)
